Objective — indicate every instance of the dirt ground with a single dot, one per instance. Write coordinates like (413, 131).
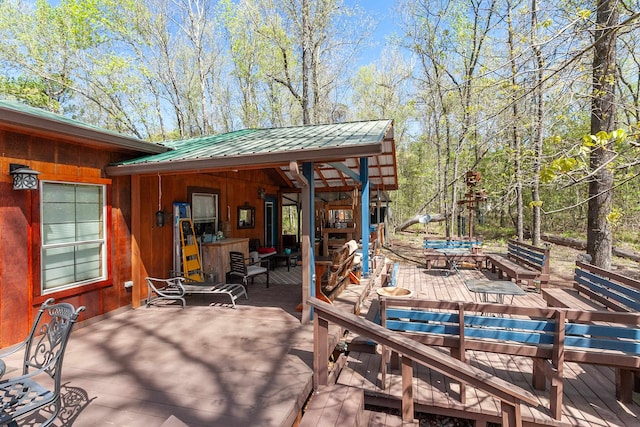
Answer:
(407, 247)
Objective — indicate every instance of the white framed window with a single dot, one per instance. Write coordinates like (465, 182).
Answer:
(205, 209)
(73, 235)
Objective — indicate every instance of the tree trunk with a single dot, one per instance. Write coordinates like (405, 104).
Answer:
(515, 134)
(582, 245)
(416, 220)
(539, 102)
(599, 234)
(306, 59)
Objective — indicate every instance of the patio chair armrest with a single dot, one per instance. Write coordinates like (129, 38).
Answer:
(6, 384)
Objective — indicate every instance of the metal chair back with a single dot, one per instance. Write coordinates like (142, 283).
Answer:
(44, 350)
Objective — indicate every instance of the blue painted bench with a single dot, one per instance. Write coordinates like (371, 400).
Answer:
(596, 288)
(432, 248)
(549, 335)
(522, 262)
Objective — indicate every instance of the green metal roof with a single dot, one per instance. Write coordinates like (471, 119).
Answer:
(334, 148)
(252, 142)
(38, 121)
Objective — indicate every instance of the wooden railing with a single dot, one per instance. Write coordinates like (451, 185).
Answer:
(510, 395)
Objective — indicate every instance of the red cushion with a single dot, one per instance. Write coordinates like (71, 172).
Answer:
(266, 250)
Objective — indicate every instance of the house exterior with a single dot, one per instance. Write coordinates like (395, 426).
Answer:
(103, 212)
(43, 231)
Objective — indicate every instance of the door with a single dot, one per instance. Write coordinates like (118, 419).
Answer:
(270, 222)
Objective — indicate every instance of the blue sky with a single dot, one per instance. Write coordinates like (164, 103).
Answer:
(382, 11)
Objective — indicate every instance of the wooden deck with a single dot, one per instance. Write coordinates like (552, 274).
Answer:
(210, 365)
(589, 390)
(200, 366)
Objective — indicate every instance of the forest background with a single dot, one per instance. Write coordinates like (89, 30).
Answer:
(502, 87)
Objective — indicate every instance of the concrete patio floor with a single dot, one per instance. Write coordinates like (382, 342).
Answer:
(203, 365)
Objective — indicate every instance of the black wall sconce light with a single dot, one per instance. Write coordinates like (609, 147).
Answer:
(160, 218)
(24, 178)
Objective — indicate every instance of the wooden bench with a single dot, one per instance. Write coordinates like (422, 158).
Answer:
(602, 289)
(550, 336)
(434, 251)
(522, 262)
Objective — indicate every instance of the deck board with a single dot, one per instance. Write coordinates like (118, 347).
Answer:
(589, 397)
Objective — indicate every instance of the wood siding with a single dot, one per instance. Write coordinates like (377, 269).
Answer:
(234, 189)
(150, 253)
(57, 160)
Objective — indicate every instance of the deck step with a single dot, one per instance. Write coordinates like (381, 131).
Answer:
(335, 405)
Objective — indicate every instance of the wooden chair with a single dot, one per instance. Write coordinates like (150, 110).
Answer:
(242, 269)
(38, 387)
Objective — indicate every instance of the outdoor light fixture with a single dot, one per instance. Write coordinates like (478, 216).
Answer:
(160, 219)
(24, 178)
(262, 193)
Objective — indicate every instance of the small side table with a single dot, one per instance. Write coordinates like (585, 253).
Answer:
(281, 256)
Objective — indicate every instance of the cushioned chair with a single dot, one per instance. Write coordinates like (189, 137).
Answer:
(242, 268)
(38, 387)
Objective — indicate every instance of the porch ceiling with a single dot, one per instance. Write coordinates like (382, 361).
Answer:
(335, 150)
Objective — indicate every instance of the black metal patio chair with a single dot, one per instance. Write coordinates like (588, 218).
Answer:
(32, 392)
(240, 268)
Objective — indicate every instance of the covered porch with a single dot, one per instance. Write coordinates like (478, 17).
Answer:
(248, 176)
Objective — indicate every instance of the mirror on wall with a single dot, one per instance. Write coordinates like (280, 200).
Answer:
(246, 216)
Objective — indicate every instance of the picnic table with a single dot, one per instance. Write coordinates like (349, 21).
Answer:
(453, 257)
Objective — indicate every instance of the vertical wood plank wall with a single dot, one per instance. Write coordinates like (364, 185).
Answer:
(71, 161)
(56, 160)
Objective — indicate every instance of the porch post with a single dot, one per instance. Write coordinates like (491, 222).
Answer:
(308, 234)
(136, 263)
(364, 210)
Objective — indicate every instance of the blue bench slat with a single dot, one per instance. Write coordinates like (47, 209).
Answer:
(623, 294)
(531, 256)
(420, 315)
(448, 244)
(587, 342)
(484, 321)
(505, 322)
(434, 328)
(632, 293)
(602, 331)
(525, 337)
(603, 290)
(515, 330)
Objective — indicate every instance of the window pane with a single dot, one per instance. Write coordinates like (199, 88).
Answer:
(58, 233)
(86, 194)
(59, 267)
(89, 231)
(88, 264)
(205, 207)
(58, 193)
(72, 220)
(88, 212)
(58, 212)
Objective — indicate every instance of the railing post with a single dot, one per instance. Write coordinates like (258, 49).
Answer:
(407, 389)
(383, 348)
(320, 351)
(511, 414)
(556, 389)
